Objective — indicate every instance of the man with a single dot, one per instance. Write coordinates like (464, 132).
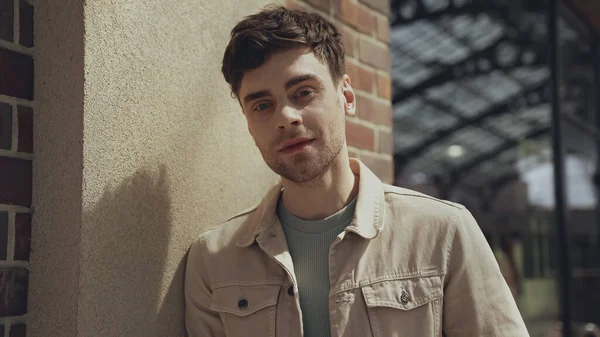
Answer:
(331, 250)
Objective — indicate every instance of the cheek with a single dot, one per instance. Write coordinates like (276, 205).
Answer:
(258, 135)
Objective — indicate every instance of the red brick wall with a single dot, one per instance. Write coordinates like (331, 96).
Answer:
(16, 152)
(364, 25)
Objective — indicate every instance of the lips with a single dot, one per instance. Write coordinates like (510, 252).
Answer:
(295, 144)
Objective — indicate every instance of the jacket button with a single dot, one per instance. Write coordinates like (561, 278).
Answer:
(291, 291)
(405, 298)
(243, 303)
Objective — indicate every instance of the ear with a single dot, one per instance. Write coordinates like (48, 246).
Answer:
(349, 96)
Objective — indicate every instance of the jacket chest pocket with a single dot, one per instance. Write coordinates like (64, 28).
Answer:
(247, 310)
(407, 307)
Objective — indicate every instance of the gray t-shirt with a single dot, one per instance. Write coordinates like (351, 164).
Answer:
(309, 243)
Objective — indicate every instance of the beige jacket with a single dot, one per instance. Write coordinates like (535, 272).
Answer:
(407, 265)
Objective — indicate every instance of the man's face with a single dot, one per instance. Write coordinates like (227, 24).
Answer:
(292, 99)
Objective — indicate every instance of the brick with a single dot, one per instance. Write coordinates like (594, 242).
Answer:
(364, 107)
(335, 6)
(386, 142)
(384, 86)
(383, 29)
(25, 129)
(348, 13)
(382, 6)
(382, 167)
(13, 291)
(17, 330)
(25, 23)
(365, 21)
(374, 111)
(15, 181)
(320, 4)
(6, 20)
(349, 39)
(6, 121)
(16, 74)
(363, 79)
(355, 16)
(375, 55)
(360, 136)
(352, 72)
(3, 235)
(22, 236)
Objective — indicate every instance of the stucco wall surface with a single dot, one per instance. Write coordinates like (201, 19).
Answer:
(158, 152)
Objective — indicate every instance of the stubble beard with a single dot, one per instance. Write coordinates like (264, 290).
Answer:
(305, 168)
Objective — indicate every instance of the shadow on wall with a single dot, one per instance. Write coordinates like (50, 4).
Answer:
(130, 286)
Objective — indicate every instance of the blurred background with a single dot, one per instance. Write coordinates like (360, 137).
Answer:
(472, 122)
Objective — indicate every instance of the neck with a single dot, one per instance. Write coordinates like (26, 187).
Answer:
(324, 195)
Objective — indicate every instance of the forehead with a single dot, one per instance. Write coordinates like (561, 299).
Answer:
(280, 67)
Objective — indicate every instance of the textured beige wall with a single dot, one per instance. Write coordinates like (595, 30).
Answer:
(140, 148)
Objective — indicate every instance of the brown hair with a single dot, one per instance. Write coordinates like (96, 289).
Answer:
(276, 28)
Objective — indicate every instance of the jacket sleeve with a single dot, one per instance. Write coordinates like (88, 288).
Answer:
(200, 320)
(477, 300)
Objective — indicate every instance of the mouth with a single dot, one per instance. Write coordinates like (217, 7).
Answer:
(295, 145)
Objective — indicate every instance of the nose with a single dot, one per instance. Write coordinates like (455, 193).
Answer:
(289, 116)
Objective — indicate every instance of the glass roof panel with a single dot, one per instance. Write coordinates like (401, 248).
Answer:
(461, 99)
(509, 125)
(531, 75)
(477, 139)
(479, 31)
(408, 72)
(406, 138)
(495, 86)
(428, 43)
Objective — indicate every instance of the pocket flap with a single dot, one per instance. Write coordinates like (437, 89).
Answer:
(403, 294)
(243, 300)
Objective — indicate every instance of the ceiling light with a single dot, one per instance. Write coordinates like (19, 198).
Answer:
(455, 151)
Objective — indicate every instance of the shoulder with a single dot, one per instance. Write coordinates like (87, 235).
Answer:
(434, 216)
(409, 200)
(226, 233)
(428, 213)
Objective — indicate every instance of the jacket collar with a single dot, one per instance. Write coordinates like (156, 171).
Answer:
(368, 217)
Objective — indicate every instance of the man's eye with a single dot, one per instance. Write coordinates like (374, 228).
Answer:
(304, 93)
(262, 106)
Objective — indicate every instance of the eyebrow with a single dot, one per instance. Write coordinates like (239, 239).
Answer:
(290, 83)
(256, 95)
(299, 79)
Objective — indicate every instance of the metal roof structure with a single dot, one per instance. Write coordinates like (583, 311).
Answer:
(470, 81)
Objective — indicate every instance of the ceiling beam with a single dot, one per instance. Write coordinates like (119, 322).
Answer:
(402, 158)
(527, 47)
(451, 111)
(479, 63)
(446, 75)
(463, 170)
(404, 13)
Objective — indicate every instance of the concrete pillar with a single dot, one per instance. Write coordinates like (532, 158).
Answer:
(138, 148)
